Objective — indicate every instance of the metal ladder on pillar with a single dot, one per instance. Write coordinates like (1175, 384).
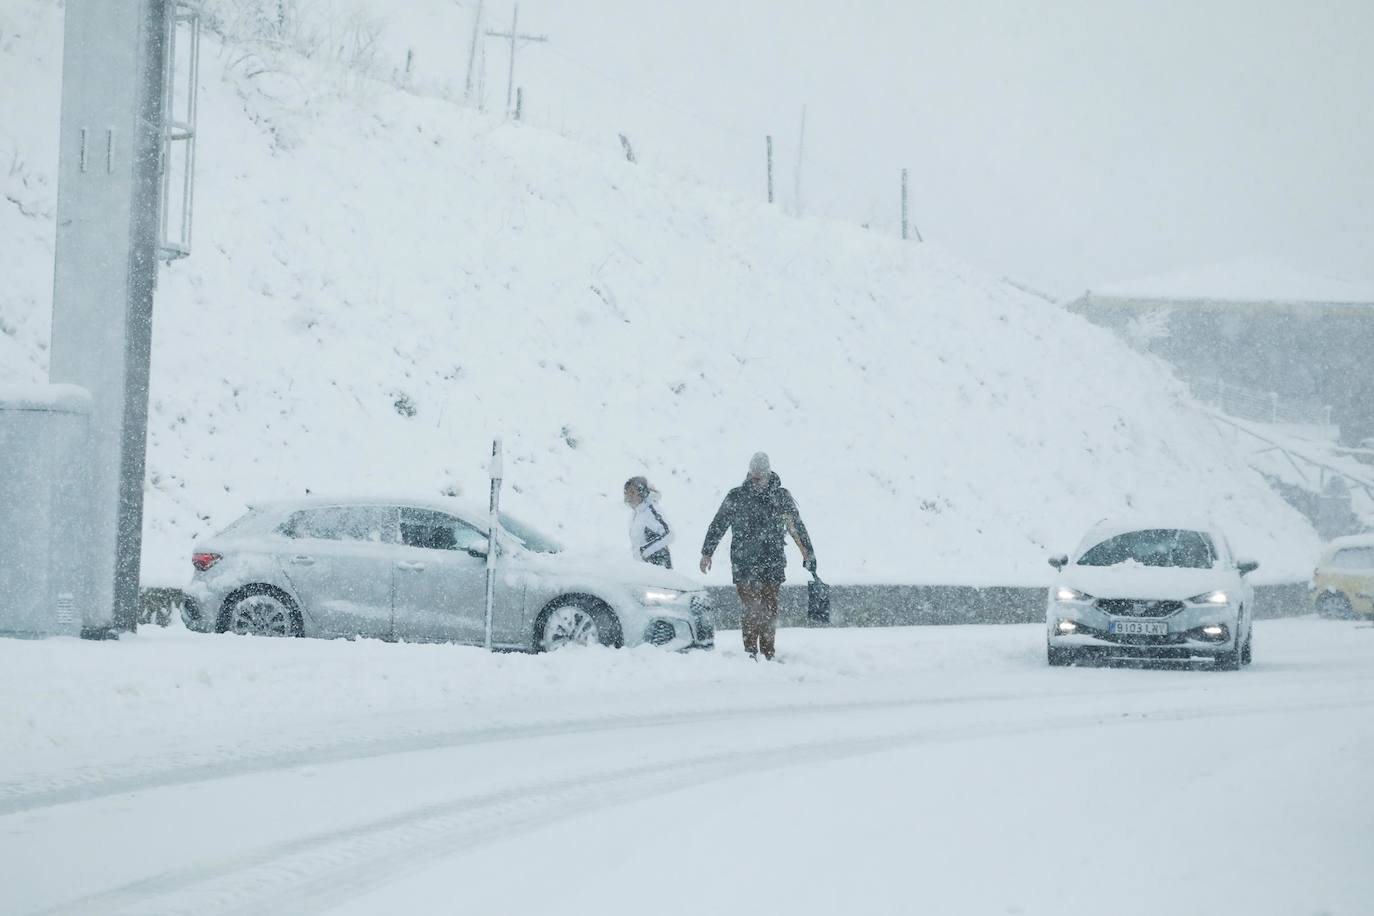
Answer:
(179, 129)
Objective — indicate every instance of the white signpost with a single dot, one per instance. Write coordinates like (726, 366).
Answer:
(493, 524)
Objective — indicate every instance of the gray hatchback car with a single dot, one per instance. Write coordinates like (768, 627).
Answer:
(416, 570)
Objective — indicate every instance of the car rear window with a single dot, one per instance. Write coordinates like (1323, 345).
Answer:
(1164, 547)
(254, 522)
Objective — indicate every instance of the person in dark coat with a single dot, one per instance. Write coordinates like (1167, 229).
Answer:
(759, 513)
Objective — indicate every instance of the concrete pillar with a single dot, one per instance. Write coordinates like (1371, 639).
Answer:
(108, 223)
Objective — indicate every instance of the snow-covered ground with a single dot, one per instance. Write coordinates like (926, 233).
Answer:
(383, 281)
(927, 769)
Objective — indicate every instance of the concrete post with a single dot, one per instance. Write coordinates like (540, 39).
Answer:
(108, 220)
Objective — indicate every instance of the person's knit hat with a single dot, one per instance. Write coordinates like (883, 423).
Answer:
(759, 463)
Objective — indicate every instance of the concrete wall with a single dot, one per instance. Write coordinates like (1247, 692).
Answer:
(920, 605)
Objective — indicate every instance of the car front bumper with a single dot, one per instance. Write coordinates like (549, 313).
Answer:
(1092, 634)
(684, 624)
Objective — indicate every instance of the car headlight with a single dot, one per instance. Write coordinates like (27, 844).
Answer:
(1216, 597)
(1064, 593)
(659, 596)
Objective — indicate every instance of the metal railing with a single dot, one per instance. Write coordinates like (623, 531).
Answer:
(1310, 470)
(1260, 406)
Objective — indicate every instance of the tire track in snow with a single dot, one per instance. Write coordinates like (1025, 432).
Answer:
(315, 872)
(226, 761)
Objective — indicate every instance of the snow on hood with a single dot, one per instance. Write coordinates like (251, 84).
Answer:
(595, 568)
(1134, 580)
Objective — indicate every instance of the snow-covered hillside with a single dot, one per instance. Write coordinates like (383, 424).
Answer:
(382, 282)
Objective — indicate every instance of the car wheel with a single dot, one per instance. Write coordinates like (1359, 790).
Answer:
(576, 623)
(1061, 657)
(261, 611)
(1333, 604)
(1246, 653)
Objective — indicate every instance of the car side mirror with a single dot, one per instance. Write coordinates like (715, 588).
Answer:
(1059, 562)
(478, 552)
(1246, 566)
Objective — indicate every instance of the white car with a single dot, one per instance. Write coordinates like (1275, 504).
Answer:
(1151, 592)
(416, 570)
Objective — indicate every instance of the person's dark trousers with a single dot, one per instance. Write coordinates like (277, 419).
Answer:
(662, 558)
(760, 618)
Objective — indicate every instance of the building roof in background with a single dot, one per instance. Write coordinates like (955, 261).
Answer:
(1342, 272)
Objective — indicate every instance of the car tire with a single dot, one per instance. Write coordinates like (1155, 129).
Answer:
(1229, 661)
(576, 621)
(1060, 657)
(261, 610)
(1334, 605)
(1247, 652)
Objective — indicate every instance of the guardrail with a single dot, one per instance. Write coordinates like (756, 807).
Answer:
(944, 605)
(1305, 466)
(1261, 406)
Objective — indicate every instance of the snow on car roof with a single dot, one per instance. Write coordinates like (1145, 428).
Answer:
(1122, 525)
(1108, 528)
(450, 504)
(1351, 540)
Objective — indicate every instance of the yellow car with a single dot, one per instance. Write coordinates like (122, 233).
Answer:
(1343, 582)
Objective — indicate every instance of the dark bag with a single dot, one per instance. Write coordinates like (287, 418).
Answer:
(817, 600)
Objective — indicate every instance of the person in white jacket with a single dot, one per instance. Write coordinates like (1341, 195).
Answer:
(649, 531)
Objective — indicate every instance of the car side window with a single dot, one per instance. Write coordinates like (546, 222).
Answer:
(364, 524)
(437, 531)
(1354, 558)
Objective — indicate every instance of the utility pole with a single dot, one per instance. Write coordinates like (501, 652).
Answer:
(769, 140)
(514, 37)
(472, 51)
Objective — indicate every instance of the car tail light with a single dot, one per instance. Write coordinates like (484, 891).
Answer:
(203, 561)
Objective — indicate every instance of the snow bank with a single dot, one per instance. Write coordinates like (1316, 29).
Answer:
(170, 691)
(166, 698)
(383, 282)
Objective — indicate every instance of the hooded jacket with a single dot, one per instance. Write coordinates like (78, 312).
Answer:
(649, 531)
(758, 520)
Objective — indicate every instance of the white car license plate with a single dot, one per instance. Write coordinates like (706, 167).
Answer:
(1138, 628)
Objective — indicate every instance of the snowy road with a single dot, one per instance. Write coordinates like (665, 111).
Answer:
(878, 771)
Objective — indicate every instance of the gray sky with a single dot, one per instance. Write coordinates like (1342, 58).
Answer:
(1066, 143)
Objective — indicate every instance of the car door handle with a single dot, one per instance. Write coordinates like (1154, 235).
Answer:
(303, 561)
(410, 567)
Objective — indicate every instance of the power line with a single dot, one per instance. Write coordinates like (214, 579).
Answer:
(515, 38)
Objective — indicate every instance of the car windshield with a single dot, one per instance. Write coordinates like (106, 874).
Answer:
(1154, 547)
(529, 537)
